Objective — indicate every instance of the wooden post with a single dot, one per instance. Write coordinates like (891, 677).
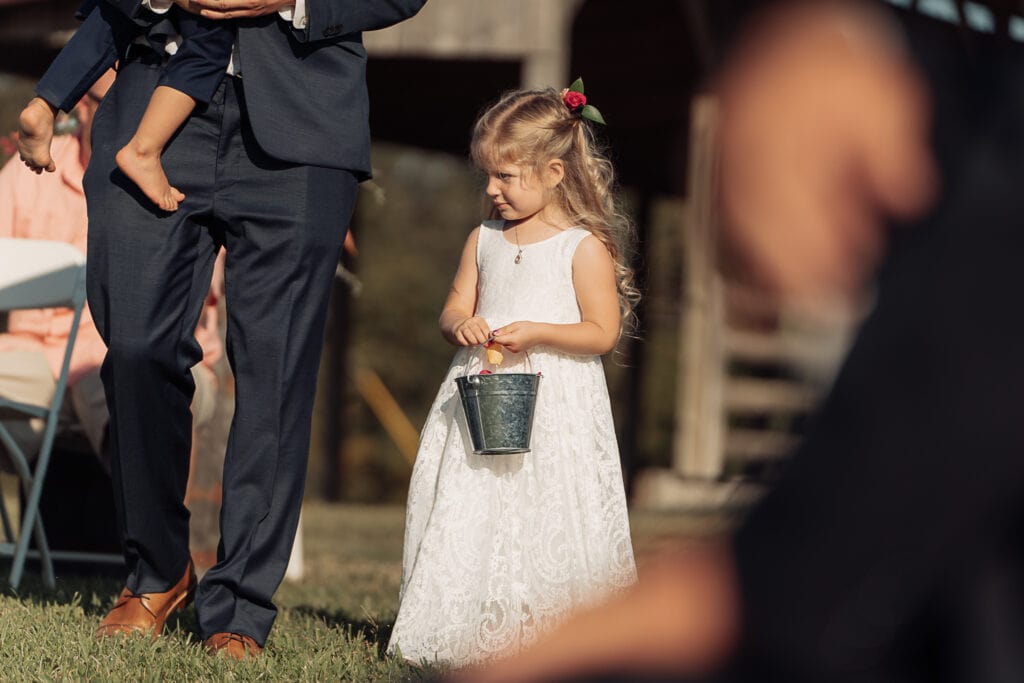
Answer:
(697, 444)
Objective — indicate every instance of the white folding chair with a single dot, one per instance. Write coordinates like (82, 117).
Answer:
(38, 274)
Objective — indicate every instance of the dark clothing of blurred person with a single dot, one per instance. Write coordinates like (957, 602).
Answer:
(891, 549)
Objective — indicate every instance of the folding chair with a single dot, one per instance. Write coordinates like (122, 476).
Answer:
(38, 274)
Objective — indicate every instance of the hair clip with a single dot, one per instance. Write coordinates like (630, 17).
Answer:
(576, 101)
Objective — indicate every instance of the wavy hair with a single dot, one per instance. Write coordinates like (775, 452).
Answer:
(529, 128)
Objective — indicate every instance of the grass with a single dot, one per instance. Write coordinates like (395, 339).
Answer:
(332, 626)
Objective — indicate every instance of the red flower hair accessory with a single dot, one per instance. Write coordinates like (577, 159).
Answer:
(576, 101)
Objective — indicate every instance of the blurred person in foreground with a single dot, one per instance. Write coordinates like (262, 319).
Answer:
(863, 141)
(52, 207)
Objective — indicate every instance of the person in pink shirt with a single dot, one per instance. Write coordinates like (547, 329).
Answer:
(52, 207)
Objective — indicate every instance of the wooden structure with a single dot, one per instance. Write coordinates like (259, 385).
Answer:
(32, 32)
(534, 33)
(429, 76)
(485, 48)
(738, 407)
(745, 385)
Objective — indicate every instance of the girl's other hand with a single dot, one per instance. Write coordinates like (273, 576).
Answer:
(519, 336)
(471, 331)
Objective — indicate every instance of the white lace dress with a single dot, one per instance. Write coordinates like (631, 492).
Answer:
(498, 548)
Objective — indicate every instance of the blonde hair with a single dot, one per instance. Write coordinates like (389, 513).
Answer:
(529, 128)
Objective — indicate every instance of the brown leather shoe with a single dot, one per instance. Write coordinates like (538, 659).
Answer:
(142, 613)
(233, 645)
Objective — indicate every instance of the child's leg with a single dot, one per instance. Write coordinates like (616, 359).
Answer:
(140, 158)
(191, 75)
(35, 131)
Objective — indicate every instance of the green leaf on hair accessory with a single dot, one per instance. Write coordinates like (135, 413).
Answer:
(590, 113)
(576, 101)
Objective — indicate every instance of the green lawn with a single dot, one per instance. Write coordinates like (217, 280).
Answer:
(332, 626)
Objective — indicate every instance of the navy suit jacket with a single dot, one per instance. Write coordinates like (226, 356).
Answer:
(95, 47)
(305, 90)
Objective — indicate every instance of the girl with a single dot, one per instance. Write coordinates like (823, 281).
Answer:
(499, 548)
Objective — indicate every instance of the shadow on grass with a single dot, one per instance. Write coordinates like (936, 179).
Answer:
(373, 632)
(95, 591)
(376, 634)
(93, 586)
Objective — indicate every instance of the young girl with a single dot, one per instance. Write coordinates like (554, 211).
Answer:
(499, 548)
(190, 76)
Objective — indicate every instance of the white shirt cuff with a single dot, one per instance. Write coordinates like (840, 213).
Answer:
(295, 14)
(157, 6)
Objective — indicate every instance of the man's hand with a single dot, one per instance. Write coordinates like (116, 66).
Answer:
(824, 136)
(188, 6)
(234, 9)
(35, 132)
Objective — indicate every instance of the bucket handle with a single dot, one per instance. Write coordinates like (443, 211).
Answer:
(466, 373)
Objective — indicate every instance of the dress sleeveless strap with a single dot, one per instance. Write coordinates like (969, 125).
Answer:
(488, 231)
(570, 242)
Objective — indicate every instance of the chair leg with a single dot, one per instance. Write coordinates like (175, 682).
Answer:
(45, 558)
(8, 531)
(31, 520)
(21, 465)
(32, 525)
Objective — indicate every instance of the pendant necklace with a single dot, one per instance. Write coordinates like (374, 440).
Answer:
(519, 254)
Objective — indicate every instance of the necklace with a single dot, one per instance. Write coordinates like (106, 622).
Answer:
(519, 254)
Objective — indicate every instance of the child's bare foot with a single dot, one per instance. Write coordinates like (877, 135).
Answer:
(35, 132)
(145, 170)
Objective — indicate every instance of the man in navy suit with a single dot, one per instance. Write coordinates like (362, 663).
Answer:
(269, 168)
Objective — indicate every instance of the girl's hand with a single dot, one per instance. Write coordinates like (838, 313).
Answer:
(519, 336)
(471, 331)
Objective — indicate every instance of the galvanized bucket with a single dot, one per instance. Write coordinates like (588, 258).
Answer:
(499, 411)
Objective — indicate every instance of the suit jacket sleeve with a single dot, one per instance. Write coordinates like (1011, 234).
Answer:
(91, 51)
(328, 19)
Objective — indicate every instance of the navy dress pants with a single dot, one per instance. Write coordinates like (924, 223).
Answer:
(282, 226)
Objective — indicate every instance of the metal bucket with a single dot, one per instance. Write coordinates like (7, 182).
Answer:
(499, 411)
